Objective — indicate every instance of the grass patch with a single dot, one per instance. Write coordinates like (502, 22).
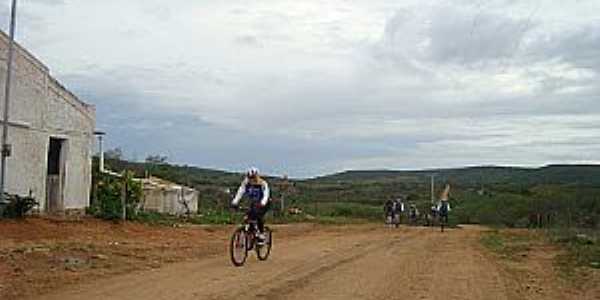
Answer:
(344, 210)
(154, 218)
(507, 244)
(493, 241)
(583, 249)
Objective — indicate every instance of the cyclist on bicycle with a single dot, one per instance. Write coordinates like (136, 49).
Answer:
(443, 207)
(391, 208)
(413, 214)
(257, 191)
(400, 204)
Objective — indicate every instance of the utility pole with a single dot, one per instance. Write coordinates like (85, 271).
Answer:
(9, 65)
(100, 135)
(432, 189)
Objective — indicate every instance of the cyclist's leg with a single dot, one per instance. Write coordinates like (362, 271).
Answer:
(261, 217)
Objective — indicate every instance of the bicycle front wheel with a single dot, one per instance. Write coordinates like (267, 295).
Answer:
(263, 251)
(238, 247)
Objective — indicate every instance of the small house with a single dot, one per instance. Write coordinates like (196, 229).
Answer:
(162, 196)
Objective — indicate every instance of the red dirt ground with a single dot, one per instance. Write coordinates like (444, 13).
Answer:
(38, 255)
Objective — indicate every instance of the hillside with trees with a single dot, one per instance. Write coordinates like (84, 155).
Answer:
(562, 194)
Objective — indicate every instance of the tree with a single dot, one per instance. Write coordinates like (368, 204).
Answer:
(116, 154)
(156, 159)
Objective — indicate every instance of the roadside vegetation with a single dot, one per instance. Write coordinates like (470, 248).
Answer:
(510, 245)
(109, 193)
(575, 254)
(583, 248)
(553, 196)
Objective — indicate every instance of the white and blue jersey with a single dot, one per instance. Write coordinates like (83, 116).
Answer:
(255, 191)
(443, 207)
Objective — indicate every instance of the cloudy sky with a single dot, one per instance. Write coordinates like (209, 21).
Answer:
(314, 87)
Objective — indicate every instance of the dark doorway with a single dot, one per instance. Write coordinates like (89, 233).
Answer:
(54, 182)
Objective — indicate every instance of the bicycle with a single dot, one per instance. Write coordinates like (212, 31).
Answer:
(244, 240)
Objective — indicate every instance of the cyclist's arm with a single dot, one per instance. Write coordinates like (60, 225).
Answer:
(266, 193)
(240, 193)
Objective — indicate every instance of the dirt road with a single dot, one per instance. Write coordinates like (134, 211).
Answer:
(360, 262)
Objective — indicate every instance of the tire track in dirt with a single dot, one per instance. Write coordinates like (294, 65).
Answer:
(430, 266)
(314, 258)
(321, 268)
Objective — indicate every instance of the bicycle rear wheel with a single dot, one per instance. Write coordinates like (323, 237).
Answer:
(443, 222)
(238, 247)
(263, 251)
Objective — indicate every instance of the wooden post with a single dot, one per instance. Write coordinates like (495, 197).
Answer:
(124, 199)
(284, 189)
(94, 192)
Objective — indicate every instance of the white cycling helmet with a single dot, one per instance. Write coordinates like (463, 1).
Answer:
(252, 172)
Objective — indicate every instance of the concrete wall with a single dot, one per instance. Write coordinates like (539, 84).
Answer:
(41, 108)
(170, 200)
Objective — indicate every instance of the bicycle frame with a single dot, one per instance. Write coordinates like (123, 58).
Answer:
(250, 227)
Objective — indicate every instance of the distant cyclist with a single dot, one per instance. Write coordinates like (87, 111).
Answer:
(433, 211)
(388, 209)
(256, 190)
(432, 215)
(399, 207)
(443, 206)
(413, 214)
(400, 201)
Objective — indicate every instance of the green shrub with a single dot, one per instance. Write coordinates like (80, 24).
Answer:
(155, 218)
(345, 210)
(109, 193)
(493, 241)
(17, 206)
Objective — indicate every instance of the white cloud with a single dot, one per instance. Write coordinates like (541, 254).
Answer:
(318, 86)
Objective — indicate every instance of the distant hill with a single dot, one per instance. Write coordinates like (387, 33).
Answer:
(182, 174)
(586, 175)
(490, 195)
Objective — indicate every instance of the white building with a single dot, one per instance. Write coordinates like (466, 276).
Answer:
(51, 132)
(166, 197)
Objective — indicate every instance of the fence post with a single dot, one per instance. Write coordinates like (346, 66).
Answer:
(94, 192)
(124, 199)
